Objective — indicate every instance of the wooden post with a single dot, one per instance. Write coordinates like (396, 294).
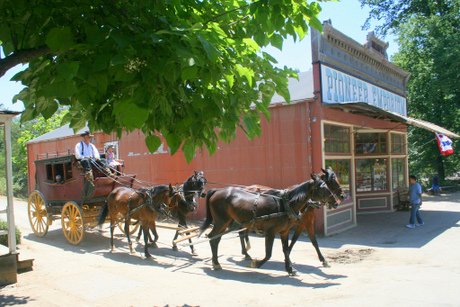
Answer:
(9, 188)
(193, 235)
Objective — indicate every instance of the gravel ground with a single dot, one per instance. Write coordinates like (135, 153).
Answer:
(378, 263)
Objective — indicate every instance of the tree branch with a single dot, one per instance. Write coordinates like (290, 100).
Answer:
(21, 57)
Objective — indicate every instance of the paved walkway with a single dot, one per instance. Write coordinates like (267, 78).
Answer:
(378, 263)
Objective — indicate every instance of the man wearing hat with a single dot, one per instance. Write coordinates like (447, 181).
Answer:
(85, 151)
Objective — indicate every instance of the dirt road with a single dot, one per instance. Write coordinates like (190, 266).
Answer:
(378, 263)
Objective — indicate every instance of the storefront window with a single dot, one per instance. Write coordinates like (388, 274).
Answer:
(342, 169)
(371, 143)
(336, 139)
(398, 143)
(397, 173)
(371, 175)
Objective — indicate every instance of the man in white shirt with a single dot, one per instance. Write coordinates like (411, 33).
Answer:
(87, 153)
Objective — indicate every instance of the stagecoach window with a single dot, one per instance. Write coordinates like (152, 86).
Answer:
(68, 170)
(336, 139)
(370, 143)
(397, 173)
(342, 170)
(398, 143)
(49, 172)
(371, 175)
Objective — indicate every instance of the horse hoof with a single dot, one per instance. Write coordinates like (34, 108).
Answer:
(326, 265)
(292, 273)
(194, 253)
(254, 264)
(154, 245)
(174, 248)
(247, 257)
(148, 256)
(216, 267)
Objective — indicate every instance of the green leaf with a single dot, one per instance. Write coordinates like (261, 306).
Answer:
(276, 41)
(50, 109)
(129, 113)
(189, 151)
(211, 51)
(245, 72)
(173, 141)
(60, 89)
(189, 73)
(68, 70)
(152, 142)
(59, 39)
(251, 44)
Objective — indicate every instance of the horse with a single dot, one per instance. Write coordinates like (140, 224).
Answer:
(193, 186)
(267, 213)
(307, 216)
(307, 219)
(143, 205)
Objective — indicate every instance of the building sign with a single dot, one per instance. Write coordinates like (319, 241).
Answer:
(339, 87)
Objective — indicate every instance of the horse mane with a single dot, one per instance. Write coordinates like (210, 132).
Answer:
(298, 193)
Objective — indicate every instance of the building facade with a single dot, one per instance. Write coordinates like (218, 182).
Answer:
(348, 113)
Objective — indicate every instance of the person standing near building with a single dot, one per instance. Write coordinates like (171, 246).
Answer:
(415, 200)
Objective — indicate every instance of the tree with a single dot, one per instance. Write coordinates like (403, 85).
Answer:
(190, 71)
(429, 38)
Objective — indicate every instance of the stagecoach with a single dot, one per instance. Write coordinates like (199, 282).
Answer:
(62, 192)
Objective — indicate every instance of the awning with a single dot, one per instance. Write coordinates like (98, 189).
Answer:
(367, 109)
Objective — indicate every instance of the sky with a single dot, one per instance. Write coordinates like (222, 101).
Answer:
(347, 16)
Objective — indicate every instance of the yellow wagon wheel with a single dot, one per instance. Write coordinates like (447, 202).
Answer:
(38, 216)
(133, 226)
(72, 223)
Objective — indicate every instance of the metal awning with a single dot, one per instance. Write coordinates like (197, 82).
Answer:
(367, 109)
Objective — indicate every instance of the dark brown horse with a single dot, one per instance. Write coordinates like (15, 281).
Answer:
(143, 205)
(306, 221)
(270, 214)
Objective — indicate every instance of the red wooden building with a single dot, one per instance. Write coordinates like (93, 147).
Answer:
(348, 112)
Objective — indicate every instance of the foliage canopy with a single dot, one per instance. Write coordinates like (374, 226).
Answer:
(191, 71)
(429, 39)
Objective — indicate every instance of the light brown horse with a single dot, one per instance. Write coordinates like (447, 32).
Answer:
(143, 205)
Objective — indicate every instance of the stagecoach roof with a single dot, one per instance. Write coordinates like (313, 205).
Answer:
(59, 133)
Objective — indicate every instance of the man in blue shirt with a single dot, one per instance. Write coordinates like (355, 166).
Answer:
(87, 154)
(415, 200)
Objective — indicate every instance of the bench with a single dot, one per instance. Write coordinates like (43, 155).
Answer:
(402, 203)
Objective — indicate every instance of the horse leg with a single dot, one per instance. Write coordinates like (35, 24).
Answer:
(286, 251)
(153, 229)
(312, 236)
(127, 222)
(296, 236)
(145, 229)
(218, 229)
(111, 235)
(139, 234)
(269, 239)
(245, 246)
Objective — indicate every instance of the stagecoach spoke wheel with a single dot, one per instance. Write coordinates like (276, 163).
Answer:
(38, 216)
(133, 226)
(72, 223)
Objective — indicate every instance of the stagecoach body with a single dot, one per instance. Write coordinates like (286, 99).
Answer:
(62, 192)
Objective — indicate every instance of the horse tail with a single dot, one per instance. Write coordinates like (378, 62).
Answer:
(105, 211)
(209, 219)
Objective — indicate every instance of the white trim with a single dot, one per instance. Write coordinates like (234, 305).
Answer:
(341, 211)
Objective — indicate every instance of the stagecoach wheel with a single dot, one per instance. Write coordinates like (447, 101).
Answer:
(133, 226)
(72, 223)
(38, 216)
